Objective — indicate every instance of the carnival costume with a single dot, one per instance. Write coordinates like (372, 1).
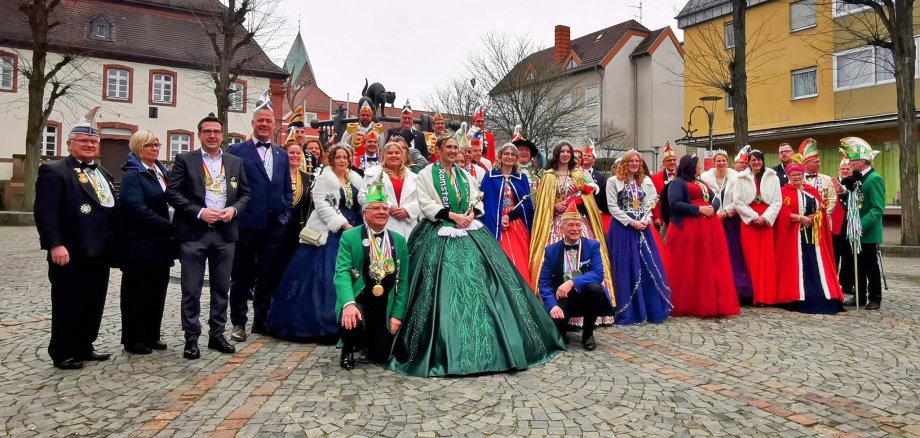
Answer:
(509, 195)
(759, 196)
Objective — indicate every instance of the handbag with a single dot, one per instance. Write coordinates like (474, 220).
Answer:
(310, 236)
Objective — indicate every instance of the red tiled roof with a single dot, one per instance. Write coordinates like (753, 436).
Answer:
(161, 32)
(646, 44)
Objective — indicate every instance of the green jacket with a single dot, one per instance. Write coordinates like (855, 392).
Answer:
(872, 207)
(349, 281)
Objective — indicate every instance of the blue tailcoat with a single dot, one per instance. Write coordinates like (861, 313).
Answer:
(592, 271)
(492, 197)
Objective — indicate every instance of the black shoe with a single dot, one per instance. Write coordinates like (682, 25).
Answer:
(158, 345)
(138, 348)
(873, 306)
(850, 303)
(96, 356)
(220, 344)
(191, 349)
(589, 344)
(347, 361)
(69, 364)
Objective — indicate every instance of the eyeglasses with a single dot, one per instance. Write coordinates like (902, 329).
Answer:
(212, 132)
(152, 145)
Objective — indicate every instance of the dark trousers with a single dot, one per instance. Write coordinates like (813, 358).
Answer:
(254, 266)
(192, 256)
(844, 262)
(373, 331)
(589, 303)
(143, 296)
(77, 299)
(870, 274)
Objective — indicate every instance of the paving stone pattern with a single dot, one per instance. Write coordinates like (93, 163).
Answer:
(766, 373)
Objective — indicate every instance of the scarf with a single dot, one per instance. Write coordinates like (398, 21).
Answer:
(451, 190)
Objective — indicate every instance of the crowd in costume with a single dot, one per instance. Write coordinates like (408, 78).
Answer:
(442, 253)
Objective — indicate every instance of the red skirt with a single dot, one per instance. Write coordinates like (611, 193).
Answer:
(699, 270)
(515, 241)
(757, 245)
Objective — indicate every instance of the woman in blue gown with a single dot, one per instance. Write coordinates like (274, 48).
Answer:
(642, 293)
(303, 308)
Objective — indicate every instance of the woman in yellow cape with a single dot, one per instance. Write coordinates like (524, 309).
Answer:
(560, 183)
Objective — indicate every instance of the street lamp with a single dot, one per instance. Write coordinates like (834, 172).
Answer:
(710, 113)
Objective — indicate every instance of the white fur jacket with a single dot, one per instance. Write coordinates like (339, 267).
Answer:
(326, 217)
(746, 191)
(731, 180)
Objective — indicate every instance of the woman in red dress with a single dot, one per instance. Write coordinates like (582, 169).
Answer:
(698, 268)
(757, 201)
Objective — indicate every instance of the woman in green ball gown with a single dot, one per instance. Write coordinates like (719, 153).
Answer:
(469, 310)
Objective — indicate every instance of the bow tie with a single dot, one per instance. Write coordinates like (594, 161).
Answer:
(371, 158)
(263, 145)
(811, 175)
(88, 166)
(570, 247)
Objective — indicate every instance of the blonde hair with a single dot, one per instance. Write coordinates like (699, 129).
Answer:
(141, 138)
(623, 168)
(401, 172)
(498, 158)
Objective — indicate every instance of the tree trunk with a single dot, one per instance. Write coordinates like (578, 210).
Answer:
(34, 125)
(903, 41)
(739, 74)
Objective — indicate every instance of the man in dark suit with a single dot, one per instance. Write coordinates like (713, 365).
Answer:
(75, 213)
(262, 225)
(571, 281)
(414, 138)
(785, 157)
(587, 163)
(208, 190)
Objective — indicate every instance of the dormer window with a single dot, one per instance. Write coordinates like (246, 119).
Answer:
(599, 36)
(572, 64)
(100, 29)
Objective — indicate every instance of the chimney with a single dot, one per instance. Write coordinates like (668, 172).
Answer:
(563, 43)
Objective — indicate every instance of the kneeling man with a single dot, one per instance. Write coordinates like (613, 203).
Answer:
(571, 282)
(371, 283)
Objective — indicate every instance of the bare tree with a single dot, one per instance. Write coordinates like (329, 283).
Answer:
(888, 25)
(230, 32)
(457, 97)
(40, 74)
(719, 67)
(518, 85)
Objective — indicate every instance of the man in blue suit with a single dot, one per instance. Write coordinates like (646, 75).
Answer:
(262, 224)
(571, 281)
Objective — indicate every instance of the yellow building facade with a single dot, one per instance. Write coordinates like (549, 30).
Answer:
(807, 77)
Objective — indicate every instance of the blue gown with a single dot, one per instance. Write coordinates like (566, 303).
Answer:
(641, 290)
(303, 308)
(815, 302)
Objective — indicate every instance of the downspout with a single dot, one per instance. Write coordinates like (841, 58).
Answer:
(635, 69)
(600, 122)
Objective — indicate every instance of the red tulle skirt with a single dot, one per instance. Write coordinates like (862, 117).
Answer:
(698, 269)
(515, 241)
(757, 245)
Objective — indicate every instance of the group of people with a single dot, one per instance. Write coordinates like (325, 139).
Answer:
(416, 252)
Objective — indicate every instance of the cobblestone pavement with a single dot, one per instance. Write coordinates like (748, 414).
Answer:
(766, 373)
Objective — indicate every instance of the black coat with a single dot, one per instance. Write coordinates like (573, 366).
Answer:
(68, 212)
(781, 174)
(679, 205)
(148, 238)
(185, 193)
(414, 138)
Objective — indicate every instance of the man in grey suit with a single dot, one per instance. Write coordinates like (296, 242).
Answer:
(208, 189)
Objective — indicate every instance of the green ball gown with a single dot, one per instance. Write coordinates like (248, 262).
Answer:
(469, 310)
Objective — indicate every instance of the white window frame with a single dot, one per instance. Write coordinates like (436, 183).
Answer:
(792, 82)
(729, 103)
(7, 62)
(178, 144)
(237, 89)
(50, 146)
(565, 101)
(159, 81)
(572, 64)
(118, 82)
(595, 101)
(309, 117)
(234, 140)
(814, 7)
(873, 65)
(729, 25)
(838, 3)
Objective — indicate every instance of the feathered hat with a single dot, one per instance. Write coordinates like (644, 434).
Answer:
(744, 154)
(589, 149)
(479, 114)
(296, 119)
(365, 108)
(856, 148)
(462, 137)
(795, 163)
(808, 149)
(265, 102)
(518, 139)
(376, 192)
(668, 151)
(407, 109)
(88, 124)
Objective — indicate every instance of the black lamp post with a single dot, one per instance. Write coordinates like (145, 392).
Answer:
(710, 113)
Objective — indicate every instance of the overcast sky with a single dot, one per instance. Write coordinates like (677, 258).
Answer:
(411, 47)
